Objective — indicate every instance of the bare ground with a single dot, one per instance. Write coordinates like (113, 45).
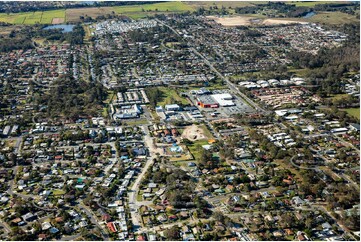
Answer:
(58, 20)
(194, 133)
(246, 20)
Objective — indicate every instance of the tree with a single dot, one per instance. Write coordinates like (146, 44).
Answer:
(172, 233)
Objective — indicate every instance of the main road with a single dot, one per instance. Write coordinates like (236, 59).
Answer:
(132, 194)
(93, 218)
(231, 85)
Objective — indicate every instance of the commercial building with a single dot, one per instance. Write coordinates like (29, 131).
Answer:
(172, 107)
(206, 101)
(223, 99)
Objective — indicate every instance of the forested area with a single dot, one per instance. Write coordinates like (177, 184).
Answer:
(15, 7)
(330, 65)
(21, 43)
(72, 99)
(153, 95)
(289, 10)
(74, 37)
(22, 39)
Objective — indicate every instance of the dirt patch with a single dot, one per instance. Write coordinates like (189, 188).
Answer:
(194, 133)
(232, 21)
(281, 21)
(246, 21)
(73, 15)
(58, 20)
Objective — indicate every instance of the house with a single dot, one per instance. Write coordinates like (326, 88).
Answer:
(46, 226)
(111, 227)
(354, 127)
(297, 201)
(42, 236)
(152, 185)
(172, 107)
(229, 188)
(106, 217)
(301, 236)
(53, 230)
(29, 217)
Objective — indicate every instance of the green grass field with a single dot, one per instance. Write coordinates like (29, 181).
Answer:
(354, 112)
(169, 96)
(195, 150)
(310, 4)
(219, 4)
(140, 11)
(333, 18)
(41, 17)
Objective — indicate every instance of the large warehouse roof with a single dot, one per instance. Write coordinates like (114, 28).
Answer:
(224, 99)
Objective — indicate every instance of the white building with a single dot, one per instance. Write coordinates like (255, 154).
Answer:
(172, 107)
(224, 99)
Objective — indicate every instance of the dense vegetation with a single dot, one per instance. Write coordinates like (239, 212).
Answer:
(15, 7)
(330, 65)
(22, 39)
(74, 37)
(289, 10)
(154, 95)
(11, 43)
(70, 98)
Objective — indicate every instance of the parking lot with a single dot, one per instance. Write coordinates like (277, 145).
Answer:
(240, 107)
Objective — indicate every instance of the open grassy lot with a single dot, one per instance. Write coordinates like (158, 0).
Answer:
(140, 11)
(170, 95)
(333, 18)
(48, 16)
(311, 4)
(354, 112)
(299, 72)
(41, 17)
(135, 122)
(195, 149)
(206, 131)
(58, 192)
(73, 15)
(219, 4)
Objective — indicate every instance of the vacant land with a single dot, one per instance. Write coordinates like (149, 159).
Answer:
(140, 11)
(73, 15)
(195, 148)
(219, 4)
(195, 132)
(281, 21)
(312, 4)
(58, 20)
(50, 16)
(170, 96)
(247, 20)
(333, 18)
(354, 112)
(40, 17)
(232, 21)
